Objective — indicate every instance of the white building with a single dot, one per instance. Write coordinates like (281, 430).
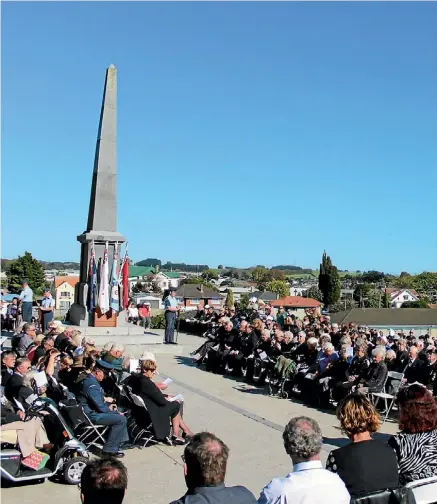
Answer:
(399, 296)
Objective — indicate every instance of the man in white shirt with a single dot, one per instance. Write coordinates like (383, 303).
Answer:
(309, 483)
(26, 299)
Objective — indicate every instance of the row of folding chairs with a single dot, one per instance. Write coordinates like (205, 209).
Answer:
(388, 398)
(141, 435)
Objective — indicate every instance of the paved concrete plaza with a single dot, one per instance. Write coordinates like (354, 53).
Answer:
(249, 421)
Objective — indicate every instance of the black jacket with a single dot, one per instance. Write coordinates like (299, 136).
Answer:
(157, 405)
(249, 343)
(401, 360)
(13, 386)
(359, 368)
(416, 371)
(6, 375)
(376, 376)
(226, 338)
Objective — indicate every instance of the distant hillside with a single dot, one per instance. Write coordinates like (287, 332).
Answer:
(47, 265)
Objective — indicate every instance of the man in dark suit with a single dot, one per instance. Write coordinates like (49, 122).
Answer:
(401, 356)
(205, 459)
(13, 386)
(416, 369)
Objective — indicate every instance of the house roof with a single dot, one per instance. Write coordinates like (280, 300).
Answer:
(193, 291)
(395, 292)
(171, 274)
(297, 302)
(140, 271)
(264, 295)
(71, 280)
(387, 316)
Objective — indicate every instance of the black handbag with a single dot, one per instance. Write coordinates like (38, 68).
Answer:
(387, 496)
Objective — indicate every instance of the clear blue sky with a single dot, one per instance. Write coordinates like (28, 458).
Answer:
(277, 130)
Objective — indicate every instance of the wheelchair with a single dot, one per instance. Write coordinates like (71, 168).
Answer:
(281, 377)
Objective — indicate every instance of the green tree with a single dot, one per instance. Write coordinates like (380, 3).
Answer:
(220, 266)
(422, 303)
(313, 292)
(425, 282)
(278, 287)
(258, 275)
(277, 274)
(367, 296)
(404, 282)
(386, 300)
(137, 288)
(329, 281)
(245, 275)
(156, 288)
(149, 262)
(373, 276)
(345, 305)
(209, 275)
(244, 302)
(230, 299)
(26, 267)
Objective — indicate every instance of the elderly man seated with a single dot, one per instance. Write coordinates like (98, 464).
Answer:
(308, 482)
(21, 343)
(115, 356)
(95, 405)
(29, 435)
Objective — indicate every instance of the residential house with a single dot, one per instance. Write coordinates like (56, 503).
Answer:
(399, 296)
(297, 290)
(346, 294)
(139, 274)
(265, 296)
(64, 291)
(156, 302)
(297, 304)
(237, 291)
(164, 280)
(191, 295)
(420, 320)
(168, 279)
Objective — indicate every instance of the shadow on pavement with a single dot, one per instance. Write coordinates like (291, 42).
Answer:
(248, 390)
(185, 361)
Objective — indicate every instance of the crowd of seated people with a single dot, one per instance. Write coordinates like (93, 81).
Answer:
(89, 378)
(322, 361)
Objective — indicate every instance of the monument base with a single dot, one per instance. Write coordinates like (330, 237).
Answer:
(133, 338)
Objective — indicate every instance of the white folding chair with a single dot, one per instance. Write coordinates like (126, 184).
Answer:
(145, 434)
(389, 399)
(423, 491)
(92, 434)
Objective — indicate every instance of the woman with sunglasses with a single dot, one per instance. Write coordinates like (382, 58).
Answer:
(416, 444)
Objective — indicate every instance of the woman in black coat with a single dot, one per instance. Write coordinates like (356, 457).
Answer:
(161, 410)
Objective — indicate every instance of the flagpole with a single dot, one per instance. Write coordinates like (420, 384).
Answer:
(124, 260)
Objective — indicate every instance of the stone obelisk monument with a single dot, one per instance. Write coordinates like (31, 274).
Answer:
(102, 214)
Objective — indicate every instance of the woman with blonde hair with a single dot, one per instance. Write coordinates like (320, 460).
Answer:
(160, 409)
(365, 465)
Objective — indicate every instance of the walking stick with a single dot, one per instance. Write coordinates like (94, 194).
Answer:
(179, 320)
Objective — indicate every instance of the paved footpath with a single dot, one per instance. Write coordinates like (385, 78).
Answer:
(248, 421)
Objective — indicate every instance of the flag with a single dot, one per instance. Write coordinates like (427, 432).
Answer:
(92, 281)
(125, 280)
(114, 301)
(104, 286)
